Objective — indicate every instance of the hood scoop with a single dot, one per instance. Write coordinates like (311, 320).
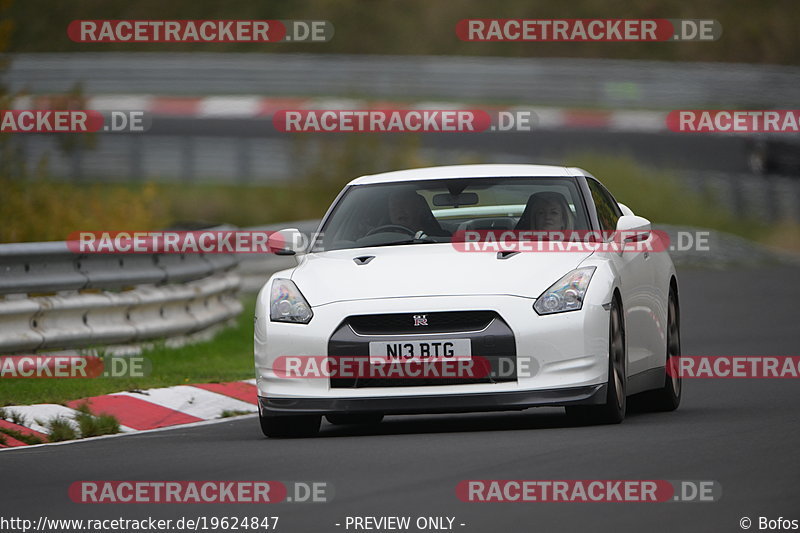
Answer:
(364, 259)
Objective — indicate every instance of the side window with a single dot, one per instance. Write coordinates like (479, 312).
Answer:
(608, 212)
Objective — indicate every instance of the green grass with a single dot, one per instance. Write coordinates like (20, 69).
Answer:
(59, 429)
(22, 437)
(228, 357)
(44, 209)
(231, 413)
(91, 425)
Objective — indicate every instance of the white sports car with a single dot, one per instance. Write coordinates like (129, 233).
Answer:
(392, 310)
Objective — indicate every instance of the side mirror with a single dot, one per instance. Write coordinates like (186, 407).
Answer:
(287, 242)
(631, 228)
(625, 209)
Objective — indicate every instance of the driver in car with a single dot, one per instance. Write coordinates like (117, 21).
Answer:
(410, 210)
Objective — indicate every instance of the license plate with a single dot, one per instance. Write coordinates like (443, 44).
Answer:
(381, 352)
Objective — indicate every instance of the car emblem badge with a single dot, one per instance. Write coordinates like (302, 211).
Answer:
(420, 320)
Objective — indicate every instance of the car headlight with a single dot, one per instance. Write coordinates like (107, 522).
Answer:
(286, 303)
(565, 294)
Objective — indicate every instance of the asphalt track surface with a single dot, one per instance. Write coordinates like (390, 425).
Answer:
(742, 433)
(681, 151)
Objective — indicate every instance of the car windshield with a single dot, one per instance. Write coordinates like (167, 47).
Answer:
(432, 211)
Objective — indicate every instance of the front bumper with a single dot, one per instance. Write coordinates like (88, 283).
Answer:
(556, 352)
(431, 404)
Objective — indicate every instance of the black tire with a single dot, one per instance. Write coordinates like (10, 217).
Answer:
(343, 419)
(613, 411)
(290, 426)
(668, 397)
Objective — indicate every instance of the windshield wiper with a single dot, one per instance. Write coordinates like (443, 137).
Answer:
(421, 240)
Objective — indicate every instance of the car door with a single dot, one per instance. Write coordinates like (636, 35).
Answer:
(635, 284)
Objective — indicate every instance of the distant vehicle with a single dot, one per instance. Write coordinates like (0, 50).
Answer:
(384, 283)
(777, 153)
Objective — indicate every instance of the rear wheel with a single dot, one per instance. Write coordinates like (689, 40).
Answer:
(668, 398)
(613, 411)
(290, 426)
(343, 419)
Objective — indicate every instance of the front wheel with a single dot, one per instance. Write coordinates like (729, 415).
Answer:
(668, 397)
(613, 411)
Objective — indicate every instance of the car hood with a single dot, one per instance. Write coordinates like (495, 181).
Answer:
(427, 270)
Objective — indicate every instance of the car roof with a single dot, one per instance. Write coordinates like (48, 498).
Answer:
(471, 171)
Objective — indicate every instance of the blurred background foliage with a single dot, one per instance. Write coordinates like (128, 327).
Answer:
(763, 31)
(38, 208)
(34, 207)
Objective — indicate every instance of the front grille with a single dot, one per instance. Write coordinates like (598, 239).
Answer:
(489, 335)
(438, 322)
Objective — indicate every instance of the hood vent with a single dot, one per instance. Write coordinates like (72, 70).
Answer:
(506, 255)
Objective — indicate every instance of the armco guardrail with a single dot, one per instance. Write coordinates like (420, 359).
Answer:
(52, 298)
(543, 81)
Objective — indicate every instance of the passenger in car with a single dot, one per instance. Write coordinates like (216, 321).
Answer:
(546, 211)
